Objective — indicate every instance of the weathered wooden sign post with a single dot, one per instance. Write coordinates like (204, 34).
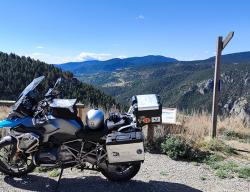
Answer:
(168, 118)
(221, 44)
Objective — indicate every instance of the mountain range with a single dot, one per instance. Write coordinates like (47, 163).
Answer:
(94, 66)
(186, 85)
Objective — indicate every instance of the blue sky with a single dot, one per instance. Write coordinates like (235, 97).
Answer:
(58, 31)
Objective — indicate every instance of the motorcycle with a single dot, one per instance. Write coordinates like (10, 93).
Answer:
(48, 133)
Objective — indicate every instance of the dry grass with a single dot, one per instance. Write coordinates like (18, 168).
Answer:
(198, 125)
(233, 124)
(233, 135)
(196, 128)
(4, 112)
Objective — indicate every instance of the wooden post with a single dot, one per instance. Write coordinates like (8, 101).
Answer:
(216, 86)
(80, 109)
(221, 44)
(150, 136)
(6, 103)
(80, 112)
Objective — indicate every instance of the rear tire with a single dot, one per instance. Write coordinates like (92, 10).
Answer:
(5, 165)
(123, 175)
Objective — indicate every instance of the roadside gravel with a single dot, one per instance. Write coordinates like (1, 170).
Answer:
(158, 173)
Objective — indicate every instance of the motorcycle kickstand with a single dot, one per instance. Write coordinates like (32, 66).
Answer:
(59, 180)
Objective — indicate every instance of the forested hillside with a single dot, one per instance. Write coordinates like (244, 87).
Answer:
(17, 72)
(183, 84)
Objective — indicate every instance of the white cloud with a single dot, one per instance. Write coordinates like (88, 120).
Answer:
(39, 47)
(83, 56)
(39, 54)
(122, 56)
(140, 17)
(86, 56)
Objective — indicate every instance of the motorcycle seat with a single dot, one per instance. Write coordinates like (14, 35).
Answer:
(111, 125)
(91, 135)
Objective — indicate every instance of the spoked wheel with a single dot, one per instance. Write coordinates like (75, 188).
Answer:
(122, 172)
(13, 162)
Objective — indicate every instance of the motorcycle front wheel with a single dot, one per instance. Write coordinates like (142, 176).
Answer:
(13, 162)
(123, 172)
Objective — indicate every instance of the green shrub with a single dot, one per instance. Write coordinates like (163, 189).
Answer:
(232, 135)
(41, 170)
(230, 166)
(227, 169)
(163, 173)
(217, 146)
(244, 172)
(51, 172)
(212, 160)
(54, 173)
(154, 147)
(221, 173)
(175, 147)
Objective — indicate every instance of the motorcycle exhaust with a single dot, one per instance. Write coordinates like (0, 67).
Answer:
(101, 165)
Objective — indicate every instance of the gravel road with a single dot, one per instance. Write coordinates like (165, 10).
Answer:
(158, 173)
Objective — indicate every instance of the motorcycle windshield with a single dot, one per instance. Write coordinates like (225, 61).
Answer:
(32, 86)
(28, 89)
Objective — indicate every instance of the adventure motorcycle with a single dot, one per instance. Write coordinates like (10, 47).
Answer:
(48, 133)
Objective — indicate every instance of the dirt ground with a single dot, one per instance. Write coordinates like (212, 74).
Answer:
(158, 174)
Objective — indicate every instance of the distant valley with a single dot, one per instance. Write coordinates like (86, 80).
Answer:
(183, 84)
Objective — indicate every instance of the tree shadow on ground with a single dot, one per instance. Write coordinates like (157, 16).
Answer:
(93, 184)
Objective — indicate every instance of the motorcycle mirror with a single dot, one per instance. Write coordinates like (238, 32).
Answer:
(58, 81)
(74, 80)
(48, 92)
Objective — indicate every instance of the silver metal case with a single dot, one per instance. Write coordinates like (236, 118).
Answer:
(125, 147)
(147, 109)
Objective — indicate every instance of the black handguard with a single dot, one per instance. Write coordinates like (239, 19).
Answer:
(115, 117)
(40, 115)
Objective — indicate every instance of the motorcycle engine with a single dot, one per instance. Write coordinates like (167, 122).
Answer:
(64, 154)
(47, 156)
(27, 142)
(52, 156)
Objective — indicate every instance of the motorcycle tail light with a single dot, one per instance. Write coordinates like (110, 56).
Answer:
(146, 120)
